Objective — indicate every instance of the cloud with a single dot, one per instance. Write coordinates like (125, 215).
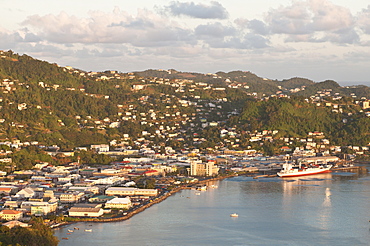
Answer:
(308, 19)
(256, 26)
(364, 20)
(330, 17)
(248, 41)
(144, 29)
(9, 40)
(213, 11)
(215, 30)
(138, 24)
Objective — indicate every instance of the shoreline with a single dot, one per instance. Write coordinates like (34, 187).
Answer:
(142, 208)
(164, 197)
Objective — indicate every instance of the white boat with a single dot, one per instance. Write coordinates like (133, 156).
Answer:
(295, 171)
(234, 215)
(70, 230)
(88, 230)
(202, 187)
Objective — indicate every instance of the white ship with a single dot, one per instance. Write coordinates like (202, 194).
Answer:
(294, 171)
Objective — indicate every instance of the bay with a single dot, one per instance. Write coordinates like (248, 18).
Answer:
(326, 209)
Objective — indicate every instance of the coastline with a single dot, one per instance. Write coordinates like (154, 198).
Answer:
(142, 208)
(170, 193)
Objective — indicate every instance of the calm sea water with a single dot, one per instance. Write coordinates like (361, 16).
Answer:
(327, 209)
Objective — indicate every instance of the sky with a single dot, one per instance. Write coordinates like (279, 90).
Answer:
(276, 39)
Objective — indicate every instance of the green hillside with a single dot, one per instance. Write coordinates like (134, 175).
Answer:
(296, 117)
(26, 69)
(74, 108)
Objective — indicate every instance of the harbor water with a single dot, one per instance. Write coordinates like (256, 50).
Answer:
(326, 209)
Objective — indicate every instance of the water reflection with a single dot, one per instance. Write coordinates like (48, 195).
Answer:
(326, 209)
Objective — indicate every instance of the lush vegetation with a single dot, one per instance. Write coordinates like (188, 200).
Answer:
(65, 108)
(295, 117)
(38, 234)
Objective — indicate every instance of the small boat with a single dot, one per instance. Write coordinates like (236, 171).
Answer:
(234, 215)
(202, 187)
(70, 230)
(68, 233)
(65, 238)
(198, 193)
(76, 228)
(88, 230)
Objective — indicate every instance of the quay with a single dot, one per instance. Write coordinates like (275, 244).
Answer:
(132, 212)
(145, 206)
(350, 168)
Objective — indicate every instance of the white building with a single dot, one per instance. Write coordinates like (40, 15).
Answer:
(119, 203)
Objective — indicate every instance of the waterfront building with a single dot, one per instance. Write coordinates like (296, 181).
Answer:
(119, 203)
(100, 198)
(318, 159)
(85, 212)
(14, 223)
(203, 169)
(126, 191)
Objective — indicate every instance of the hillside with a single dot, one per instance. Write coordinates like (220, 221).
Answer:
(68, 107)
(295, 118)
(24, 68)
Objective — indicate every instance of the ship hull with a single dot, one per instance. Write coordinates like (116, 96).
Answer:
(303, 173)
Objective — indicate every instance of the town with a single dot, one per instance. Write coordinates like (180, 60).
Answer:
(166, 133)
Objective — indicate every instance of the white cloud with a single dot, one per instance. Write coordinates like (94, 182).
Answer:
(364, 20)
(144, 29)
(213, 11)
(313, 21)
(215, 30)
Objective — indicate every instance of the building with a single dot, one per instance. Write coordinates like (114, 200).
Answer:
(8, 214)
(8, 190)
(40, 208)
(25, 193)
(365, 104)
(92, 189)
(14, 223)
(12, 204)
(100, 198)
(124, 203)
(100, 147)
(126, 191)
(318, 159)
(72, 197)
(85, 212)
(203, 169)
